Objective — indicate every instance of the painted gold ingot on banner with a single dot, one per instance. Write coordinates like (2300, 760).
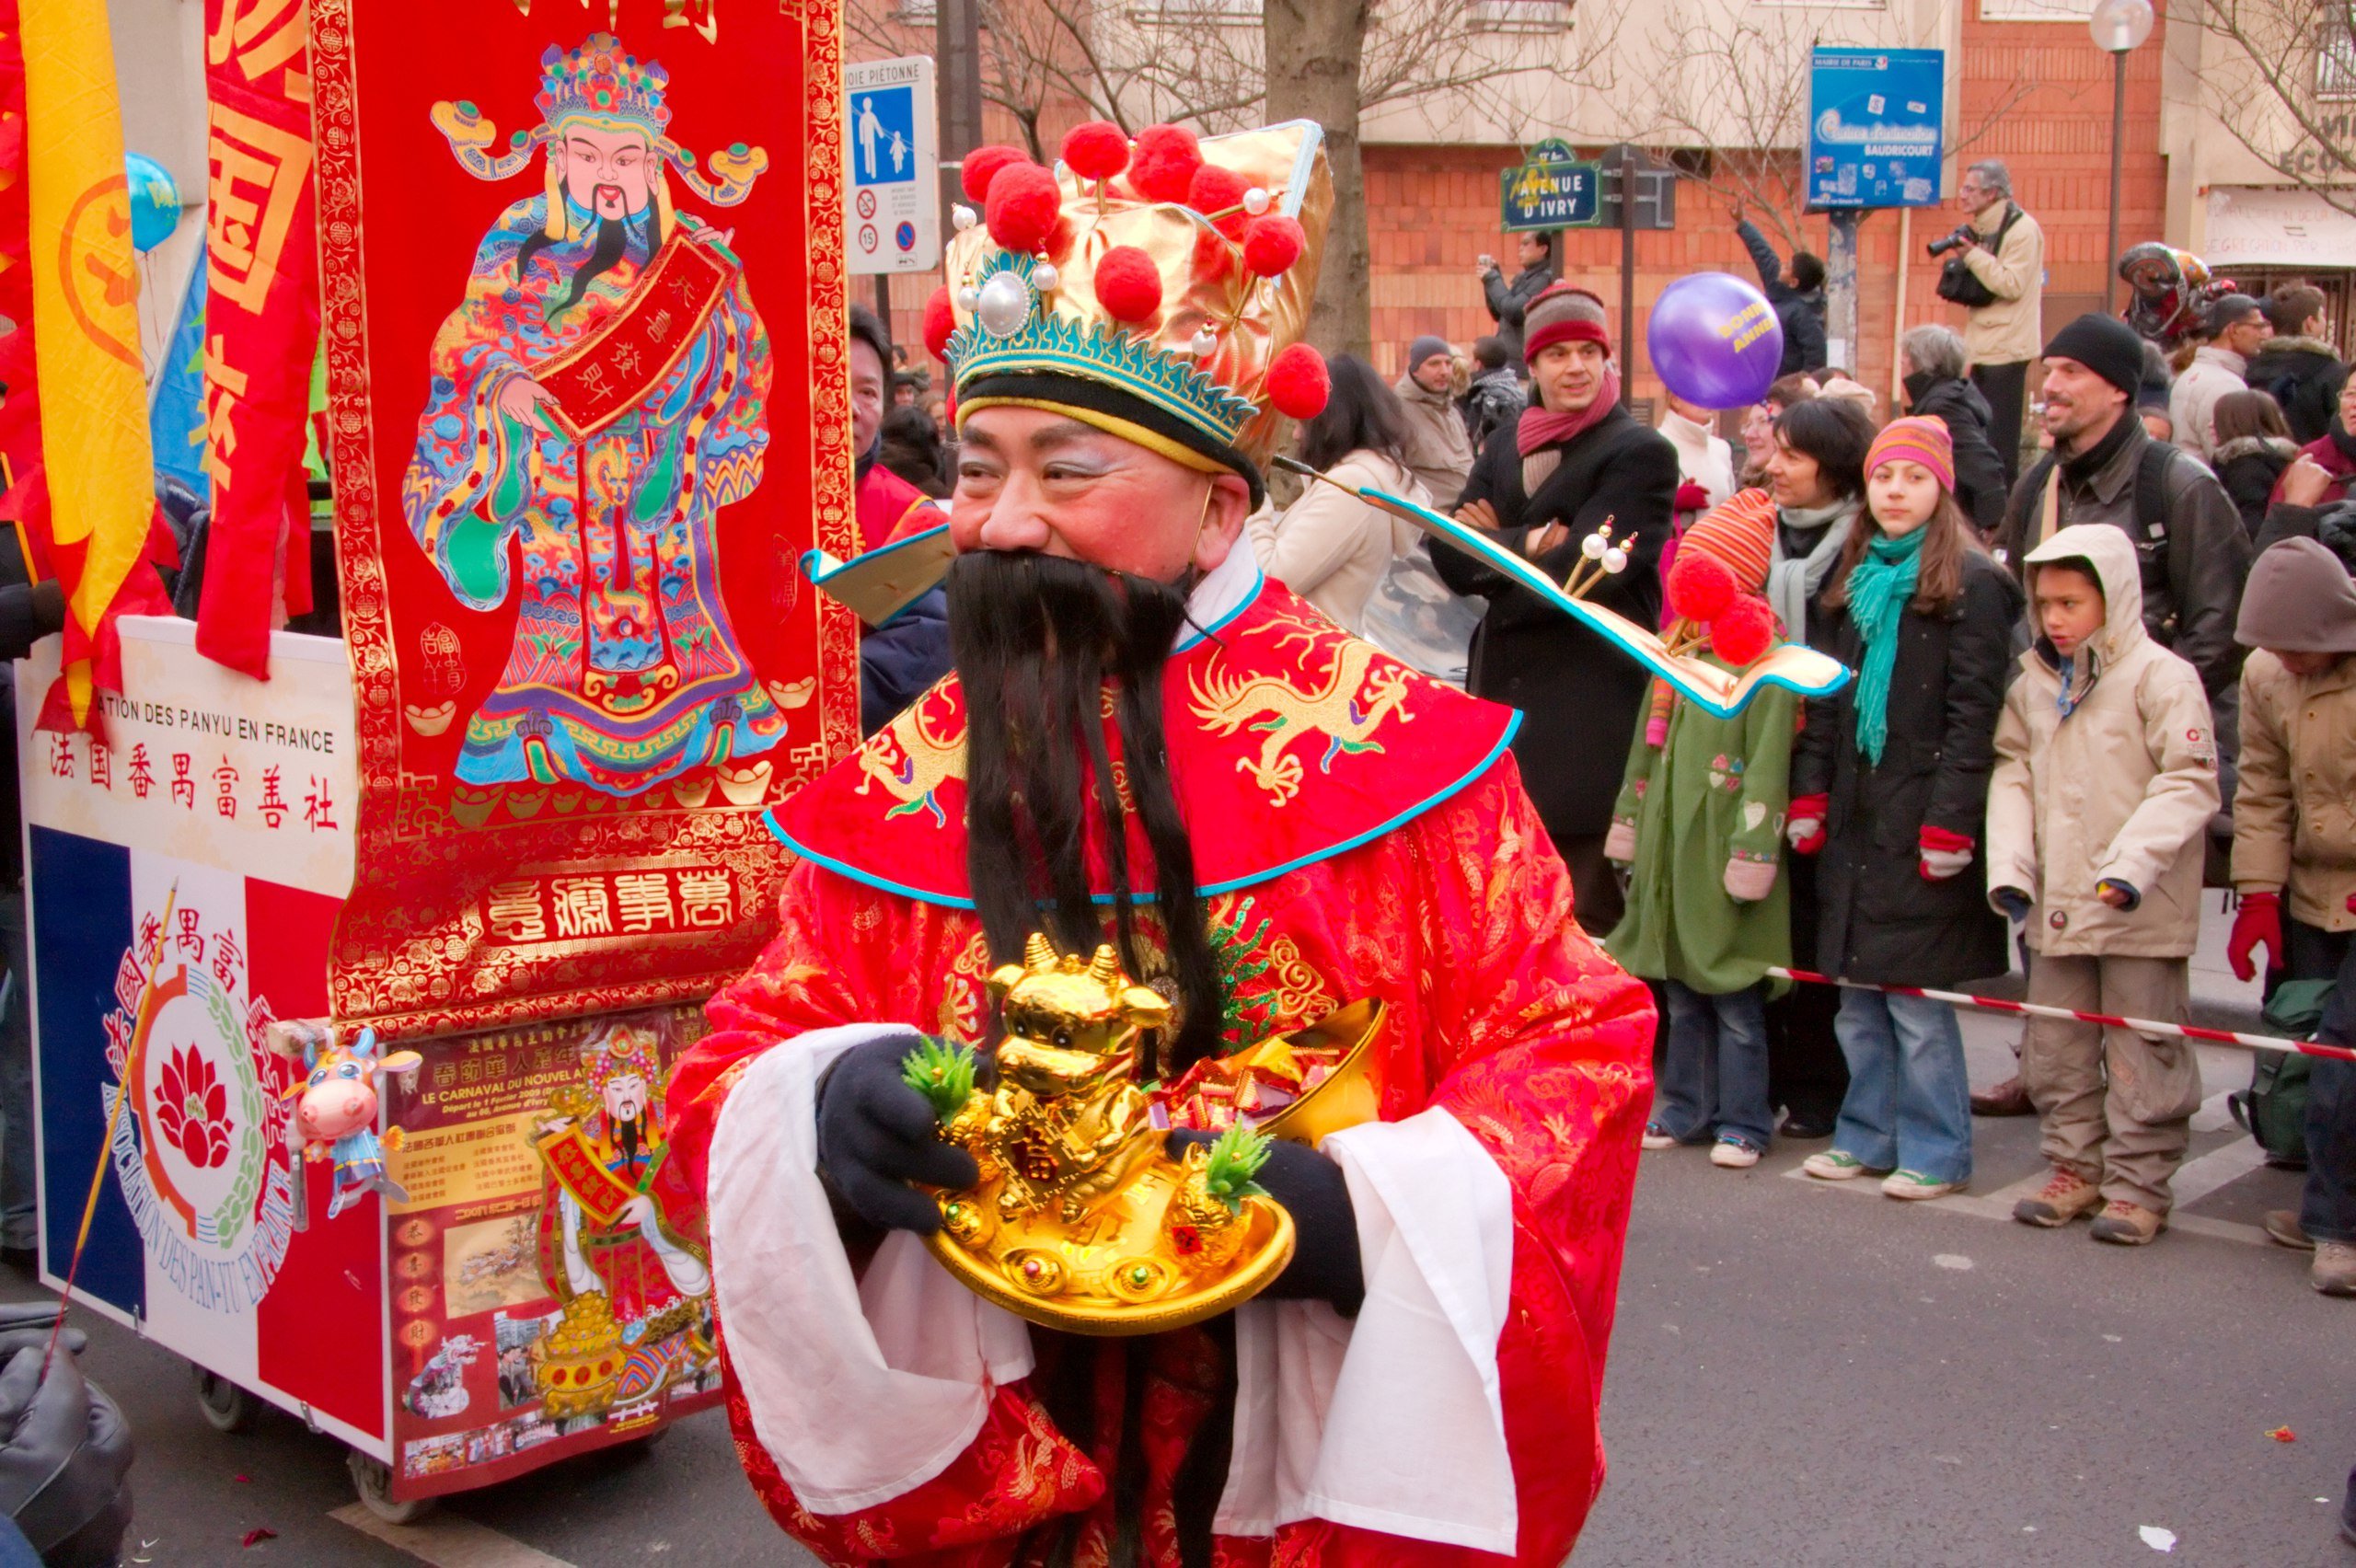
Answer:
(1082, 1220)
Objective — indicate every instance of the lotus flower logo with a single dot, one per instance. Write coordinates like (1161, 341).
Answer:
(192, 1109)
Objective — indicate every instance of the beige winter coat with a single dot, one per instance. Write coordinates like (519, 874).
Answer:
(2011, 330)
(1330, 548)
(2295, 815)
(1439, 449)
(2122, 789)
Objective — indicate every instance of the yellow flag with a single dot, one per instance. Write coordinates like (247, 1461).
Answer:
(85, 314)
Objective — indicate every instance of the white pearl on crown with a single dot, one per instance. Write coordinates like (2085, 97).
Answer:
(1206, 342)
(1005, 305)
(962, 217)
(1255, 201)
(1044, 276)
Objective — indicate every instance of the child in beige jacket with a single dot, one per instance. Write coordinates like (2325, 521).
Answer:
(2106, 779)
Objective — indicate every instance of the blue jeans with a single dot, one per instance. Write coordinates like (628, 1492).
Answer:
(1909, 1106)
(1713, 1074)
(2328, 1208)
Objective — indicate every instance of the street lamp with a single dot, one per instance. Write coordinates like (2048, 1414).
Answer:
(2118, 27)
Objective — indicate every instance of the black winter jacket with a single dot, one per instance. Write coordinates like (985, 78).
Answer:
(2248, 468)
(1880, 919)
(1578, 694)
(2304, 375)
(1509, 300)
(1979, 472)
(1800, 311)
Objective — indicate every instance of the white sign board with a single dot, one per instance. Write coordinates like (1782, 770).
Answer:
(893, 211)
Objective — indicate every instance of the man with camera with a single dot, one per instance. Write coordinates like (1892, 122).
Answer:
(1996, 270)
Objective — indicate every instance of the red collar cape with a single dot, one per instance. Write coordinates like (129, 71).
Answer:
(1290, 742)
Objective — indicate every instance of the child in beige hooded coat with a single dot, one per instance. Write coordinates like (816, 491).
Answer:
(2106, 779)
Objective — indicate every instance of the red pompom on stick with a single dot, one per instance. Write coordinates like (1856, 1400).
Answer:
(940, 321)
(1024, 202)
(1699, 586)
(981, 167)
(1743, 630)
(1298, 384)
(1218, 194)
(1128, 284)
(1163, 164)
(1096, 150)
(1273, 244)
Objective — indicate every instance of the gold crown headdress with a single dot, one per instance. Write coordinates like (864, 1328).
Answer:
(1155, 288)
(604, 85)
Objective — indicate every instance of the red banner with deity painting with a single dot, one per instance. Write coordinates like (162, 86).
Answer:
(262, 325)
(585, 331)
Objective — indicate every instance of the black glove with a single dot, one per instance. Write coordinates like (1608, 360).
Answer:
(876, 1134)
(2015, 901)
(1325, 1265)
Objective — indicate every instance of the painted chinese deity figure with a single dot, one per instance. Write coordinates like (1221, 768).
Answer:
(599, 394)
(636, 1298)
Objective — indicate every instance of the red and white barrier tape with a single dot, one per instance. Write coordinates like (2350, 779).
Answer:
(2139, 1025)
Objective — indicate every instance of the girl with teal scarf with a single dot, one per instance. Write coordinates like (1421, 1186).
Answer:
(1896, 767)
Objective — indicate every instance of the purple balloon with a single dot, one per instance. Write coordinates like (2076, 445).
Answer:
(1715, 340)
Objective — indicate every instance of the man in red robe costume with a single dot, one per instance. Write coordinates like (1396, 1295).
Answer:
(1318, 824)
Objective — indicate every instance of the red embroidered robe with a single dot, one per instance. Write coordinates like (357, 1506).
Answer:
(1362, 831)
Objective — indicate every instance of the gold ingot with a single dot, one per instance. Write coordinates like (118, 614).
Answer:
(1348, 1094)
(1081, 1221)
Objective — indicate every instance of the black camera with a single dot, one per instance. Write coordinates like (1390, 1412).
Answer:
(1962, 237)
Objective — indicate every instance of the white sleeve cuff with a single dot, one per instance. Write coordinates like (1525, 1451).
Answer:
(1393, 1422)
(861, 1390)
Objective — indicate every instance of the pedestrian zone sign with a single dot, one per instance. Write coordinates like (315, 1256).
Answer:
(1553, 191)
(893, 219)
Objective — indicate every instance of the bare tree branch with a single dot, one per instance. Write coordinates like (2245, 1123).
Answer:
(2281, 75)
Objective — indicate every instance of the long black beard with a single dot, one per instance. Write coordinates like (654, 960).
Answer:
(1034, 638)
(605, 252)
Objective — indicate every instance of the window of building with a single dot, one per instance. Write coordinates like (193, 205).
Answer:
(917, 13)
(1522, 15)
(2336, 61)
(1227, 13)
(2036, 10)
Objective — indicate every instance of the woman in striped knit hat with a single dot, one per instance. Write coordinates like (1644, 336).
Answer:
(1891, 793)
(1700, 826)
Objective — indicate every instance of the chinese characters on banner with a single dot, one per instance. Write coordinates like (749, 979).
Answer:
(262, 324)
(585, 337)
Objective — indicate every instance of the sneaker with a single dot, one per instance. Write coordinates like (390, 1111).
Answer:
(2066, 1196)
(2334, 1270)
(1914, 1187)
(2131, 1225)
(1656, 1136)
(2009, 1098)
(2283, 1228)
(1734, 1154)
(1833, 1165)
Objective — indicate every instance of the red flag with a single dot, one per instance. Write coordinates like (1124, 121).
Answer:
(262, 324)
(19, 405)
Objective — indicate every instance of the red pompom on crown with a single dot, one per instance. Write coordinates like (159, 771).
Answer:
(1220, 190)
(1128, 284)
(1024, 204)
(981, 167)
(1699, 586)
(1298, 384)
(940, 321)
(1096, 149)
(1164, 163)
(1743, 630)
(1213, 255)
(1273, 244)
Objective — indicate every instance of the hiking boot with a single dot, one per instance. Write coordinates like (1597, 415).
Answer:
(2130, 1224)
(2283, 1228)
(1734, 1154)
(1833, 1165)
(2009, 1098)
(2334, 1270)
(2066, 1196)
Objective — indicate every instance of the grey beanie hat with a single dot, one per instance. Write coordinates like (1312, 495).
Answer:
(2299, 599)
(1424, 348)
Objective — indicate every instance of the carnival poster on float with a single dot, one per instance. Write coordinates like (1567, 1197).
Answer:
(549, 1286)
(585, 328)
(203, 846)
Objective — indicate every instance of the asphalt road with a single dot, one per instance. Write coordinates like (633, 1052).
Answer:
(1800, 1374)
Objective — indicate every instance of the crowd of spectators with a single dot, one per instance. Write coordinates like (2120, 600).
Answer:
(2099, 667)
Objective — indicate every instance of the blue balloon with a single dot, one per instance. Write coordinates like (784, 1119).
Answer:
(1715, 340)
(155, 201)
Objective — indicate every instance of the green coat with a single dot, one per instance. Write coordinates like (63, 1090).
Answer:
(1716, 790)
